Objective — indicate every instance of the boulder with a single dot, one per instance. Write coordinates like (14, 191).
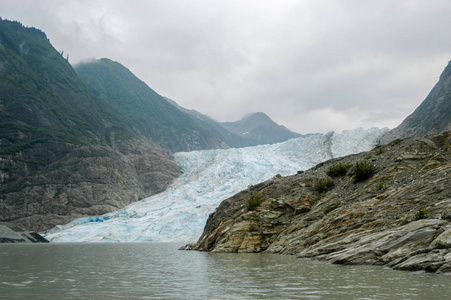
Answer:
(9, 236)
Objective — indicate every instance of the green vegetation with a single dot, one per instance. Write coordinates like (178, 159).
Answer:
(380, 186)
(446, 216)
(404, 221)
(332, 206)
(324, 185)
(422, 213)
(254, 200)
(442, 245)
(277, 176)
(253, 228)
(380, 150)
(446, 145)
(337, 170)
(44, 103)
(363, 170)
(142, 107)
(43, 100)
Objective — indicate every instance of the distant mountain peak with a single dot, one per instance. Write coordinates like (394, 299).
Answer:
(259, 128)
(255, 115)
(258, 118)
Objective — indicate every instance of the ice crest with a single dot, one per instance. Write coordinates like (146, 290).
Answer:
(210, 176)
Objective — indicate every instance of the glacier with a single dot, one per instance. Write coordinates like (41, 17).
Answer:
(208, 177)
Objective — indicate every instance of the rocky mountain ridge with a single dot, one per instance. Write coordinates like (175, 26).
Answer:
(390, 206)
(64, 152)
(258, 128)
(146, 110)
(233, 140)
(168, 124)
(432, 116)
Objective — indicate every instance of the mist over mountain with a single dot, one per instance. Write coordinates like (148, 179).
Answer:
(146, 110)
(95, 139)
(232, 139)
(254, 129)
(84, 141)
(258, 128)
(64, 151)
(43, 101)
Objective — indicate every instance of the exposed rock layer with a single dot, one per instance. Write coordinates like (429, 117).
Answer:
(89, 180)
(399, 217)
(9, 236)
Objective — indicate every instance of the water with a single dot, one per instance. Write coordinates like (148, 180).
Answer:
(160, 271)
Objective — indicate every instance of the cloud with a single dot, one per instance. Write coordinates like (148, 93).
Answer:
(359, 63)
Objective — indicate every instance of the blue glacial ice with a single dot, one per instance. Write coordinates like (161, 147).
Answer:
(210, 176)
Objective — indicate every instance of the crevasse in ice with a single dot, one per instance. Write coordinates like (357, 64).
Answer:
(210, 176)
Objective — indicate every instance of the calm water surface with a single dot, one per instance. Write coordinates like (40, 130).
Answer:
(160, 271)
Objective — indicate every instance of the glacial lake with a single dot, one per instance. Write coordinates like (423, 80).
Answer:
(160, 271)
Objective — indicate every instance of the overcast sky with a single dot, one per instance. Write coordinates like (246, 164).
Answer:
(313, 66)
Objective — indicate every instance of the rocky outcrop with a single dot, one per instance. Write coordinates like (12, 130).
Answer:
(390, 206)
(432, 116)
(90, 180)
(9, 236)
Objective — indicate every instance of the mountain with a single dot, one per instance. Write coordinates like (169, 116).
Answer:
(167, 123)
(85, 141)
(432, 116)
(64, 151)
(390, 206)
(35, 79)
(258, 128)
(210, 176)
(233, 140)
(146, 110)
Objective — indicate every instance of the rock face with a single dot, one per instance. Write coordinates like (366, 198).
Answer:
(390, 206)
(432, 116)
(9, 236)
(90, 180)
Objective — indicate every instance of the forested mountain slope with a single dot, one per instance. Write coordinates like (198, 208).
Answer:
(64, 152)
(147, 111)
